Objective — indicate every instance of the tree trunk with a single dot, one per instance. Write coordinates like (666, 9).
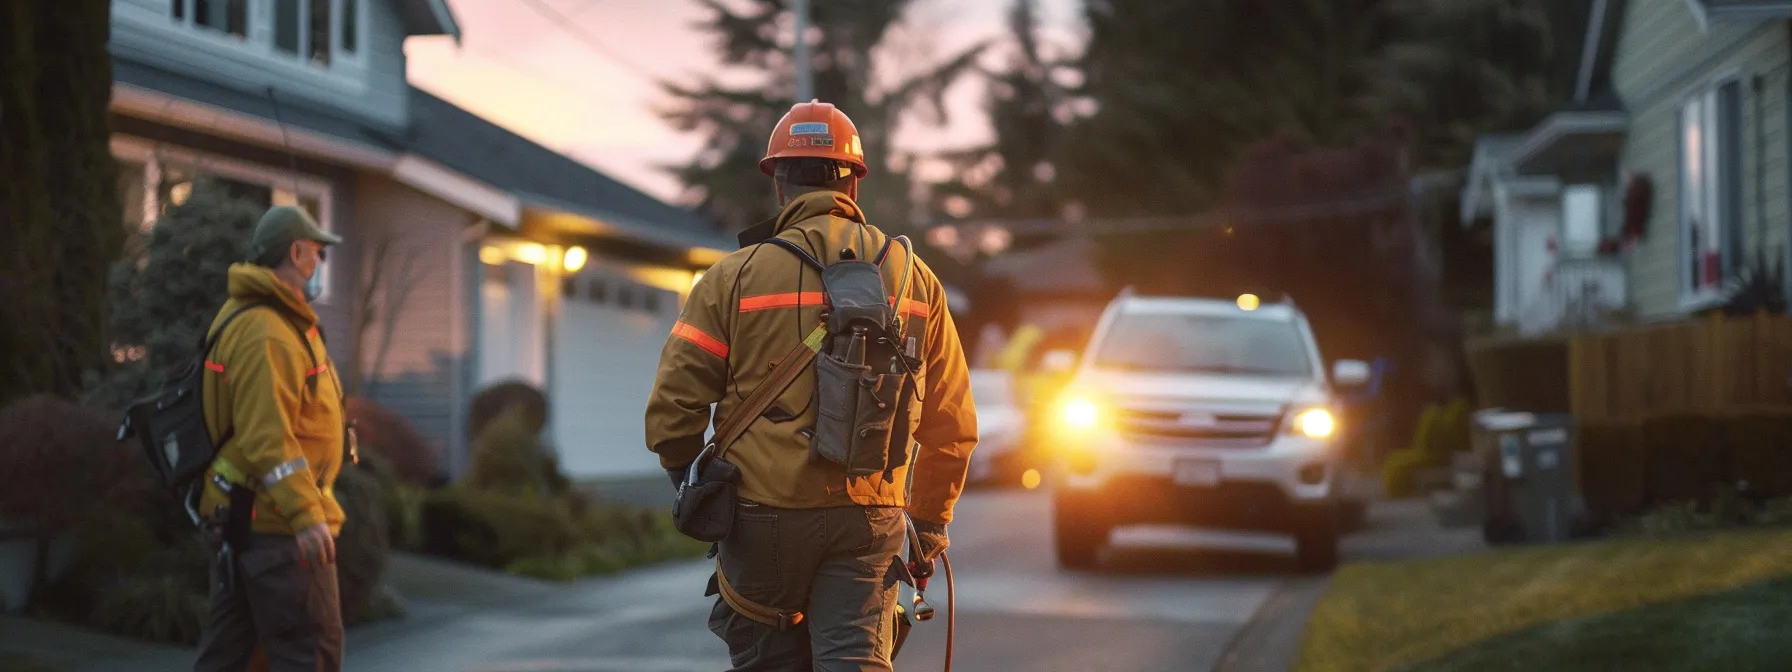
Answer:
(59, 200)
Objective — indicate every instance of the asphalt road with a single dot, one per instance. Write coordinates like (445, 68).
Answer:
(1164, 600)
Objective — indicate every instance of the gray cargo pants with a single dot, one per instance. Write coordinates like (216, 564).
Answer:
(286, 608)
(839, 566)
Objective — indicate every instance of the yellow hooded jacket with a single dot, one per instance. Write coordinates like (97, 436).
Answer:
(283, 414)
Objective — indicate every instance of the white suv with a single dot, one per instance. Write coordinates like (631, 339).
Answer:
(1200, 412)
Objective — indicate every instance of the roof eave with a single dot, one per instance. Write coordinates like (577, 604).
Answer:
(440, 20)
(1562, 126)
(703, 250)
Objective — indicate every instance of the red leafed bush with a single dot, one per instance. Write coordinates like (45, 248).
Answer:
(382, 431)
(63, 462)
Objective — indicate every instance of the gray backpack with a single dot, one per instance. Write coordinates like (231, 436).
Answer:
(865, 373)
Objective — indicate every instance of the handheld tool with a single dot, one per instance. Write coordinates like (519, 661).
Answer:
(922, 571)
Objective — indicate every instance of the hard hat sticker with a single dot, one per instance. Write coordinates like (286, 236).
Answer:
(817, 141)
(852, 147)
(809, 128)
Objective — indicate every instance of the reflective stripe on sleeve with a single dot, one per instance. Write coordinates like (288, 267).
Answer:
(284, 469)
(702, 340)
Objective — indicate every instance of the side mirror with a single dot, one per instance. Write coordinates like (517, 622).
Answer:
(1058, 361)
(1350, 372)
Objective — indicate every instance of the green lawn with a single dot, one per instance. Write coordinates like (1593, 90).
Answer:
(1386, 616)
(1739, 630)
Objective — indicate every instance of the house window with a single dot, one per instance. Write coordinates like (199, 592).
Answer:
(1710, 188)
(315, 31)
(154, 182)
(230, 17)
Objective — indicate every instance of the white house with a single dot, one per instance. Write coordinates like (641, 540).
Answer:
(1663, 186)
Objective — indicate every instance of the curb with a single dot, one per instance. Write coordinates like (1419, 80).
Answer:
(1270, 641)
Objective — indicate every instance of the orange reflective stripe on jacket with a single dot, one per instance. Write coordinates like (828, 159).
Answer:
(709, 343)
(749, 304)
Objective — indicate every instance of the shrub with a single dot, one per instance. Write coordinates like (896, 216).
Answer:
(156, 608)
(63, 463)
(509, 457)
(546, 538)
(362, 547)
(495, 401)
(494, 528)
(63, 466)
(411, 456)
(1397, 475)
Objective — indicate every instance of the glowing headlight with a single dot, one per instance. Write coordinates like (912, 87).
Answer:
(1316, 423)
(1080, 414)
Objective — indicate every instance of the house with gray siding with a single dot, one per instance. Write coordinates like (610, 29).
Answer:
(472, 256)
(1663, 183)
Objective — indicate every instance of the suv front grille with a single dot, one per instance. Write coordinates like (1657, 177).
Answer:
(1194, 427)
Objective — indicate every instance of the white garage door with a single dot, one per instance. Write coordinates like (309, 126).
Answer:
(607, 344)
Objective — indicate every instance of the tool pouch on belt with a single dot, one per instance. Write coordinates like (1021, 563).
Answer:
(704, 507)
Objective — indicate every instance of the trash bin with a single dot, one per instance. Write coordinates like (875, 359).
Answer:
(1528, 476)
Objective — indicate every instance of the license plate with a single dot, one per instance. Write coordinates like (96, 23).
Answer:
(1197, 472)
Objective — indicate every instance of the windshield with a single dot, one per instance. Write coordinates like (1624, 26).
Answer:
(1160, 342)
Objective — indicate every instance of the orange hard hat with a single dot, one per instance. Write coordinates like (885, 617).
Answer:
(815, 130)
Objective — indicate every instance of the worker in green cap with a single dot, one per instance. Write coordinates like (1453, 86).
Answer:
(274, 406)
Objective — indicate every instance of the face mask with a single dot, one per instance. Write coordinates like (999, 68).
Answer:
(315, 286)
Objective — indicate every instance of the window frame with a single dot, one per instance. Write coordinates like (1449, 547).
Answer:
(260, 26)
(154, 155)
(1713, 192)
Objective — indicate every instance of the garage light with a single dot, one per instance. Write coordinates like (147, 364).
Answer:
(530, 253)
(492, 256)
(575, 259)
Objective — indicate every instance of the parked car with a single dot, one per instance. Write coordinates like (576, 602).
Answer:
(1200, 412)
(1000, 425)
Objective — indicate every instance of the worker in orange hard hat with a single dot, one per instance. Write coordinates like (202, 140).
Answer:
(808, 564)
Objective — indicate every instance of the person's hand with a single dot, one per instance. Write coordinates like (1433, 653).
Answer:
(933, 539)
(316, 546)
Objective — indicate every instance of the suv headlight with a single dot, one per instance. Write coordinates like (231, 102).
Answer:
(1315, 423)
(1080, 414)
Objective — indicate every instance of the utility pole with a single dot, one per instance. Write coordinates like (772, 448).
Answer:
(805, 77)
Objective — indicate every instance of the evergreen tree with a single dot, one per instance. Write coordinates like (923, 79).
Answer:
(59, 208)
(1460, 68)
(736, 119)
(163, 301)
(1026, 104)
(1179, 88)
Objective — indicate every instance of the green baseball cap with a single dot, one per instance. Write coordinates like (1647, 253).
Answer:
(284, 224)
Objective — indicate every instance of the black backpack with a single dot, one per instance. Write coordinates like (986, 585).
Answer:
(170, 423)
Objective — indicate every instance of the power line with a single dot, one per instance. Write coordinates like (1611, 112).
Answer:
(565, 23)
(1366, 204)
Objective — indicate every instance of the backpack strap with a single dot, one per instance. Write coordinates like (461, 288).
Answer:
(798, 251)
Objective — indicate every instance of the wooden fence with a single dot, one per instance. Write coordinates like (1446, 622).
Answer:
(1708, 364)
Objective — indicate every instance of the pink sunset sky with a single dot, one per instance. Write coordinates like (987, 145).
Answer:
(522, 69)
